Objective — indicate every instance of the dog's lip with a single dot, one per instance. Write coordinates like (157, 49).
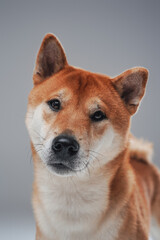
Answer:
(64, 167)
(60, 166)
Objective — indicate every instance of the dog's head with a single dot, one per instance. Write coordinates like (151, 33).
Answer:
(78, 120)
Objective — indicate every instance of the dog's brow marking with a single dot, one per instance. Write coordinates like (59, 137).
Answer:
(96, 104)
(63, 94)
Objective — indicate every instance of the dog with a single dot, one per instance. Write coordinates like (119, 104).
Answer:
(93, 180)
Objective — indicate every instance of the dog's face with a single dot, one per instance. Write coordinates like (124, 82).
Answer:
(78, 121)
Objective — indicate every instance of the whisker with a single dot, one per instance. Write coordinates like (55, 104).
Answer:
(95, 152)
(95, 158)
(29, 156)
(38, 144)
(39, 135)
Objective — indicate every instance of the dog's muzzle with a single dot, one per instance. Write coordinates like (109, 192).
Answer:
(64, 151)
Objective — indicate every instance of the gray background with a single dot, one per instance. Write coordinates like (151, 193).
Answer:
(100, 36)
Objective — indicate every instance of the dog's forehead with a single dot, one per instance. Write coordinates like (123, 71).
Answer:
(82, 80)
(75, 83)
(80, 84)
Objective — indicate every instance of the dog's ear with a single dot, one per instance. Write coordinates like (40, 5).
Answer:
(50, 59)
(131, 87)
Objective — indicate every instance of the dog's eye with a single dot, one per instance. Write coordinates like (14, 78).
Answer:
(54, 104)
(98, 116)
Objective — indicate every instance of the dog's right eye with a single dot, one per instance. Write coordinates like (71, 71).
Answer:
(54, 104)
(98, 116)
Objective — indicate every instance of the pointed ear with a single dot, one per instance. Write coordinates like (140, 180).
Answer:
(50, 59)
(131, 87)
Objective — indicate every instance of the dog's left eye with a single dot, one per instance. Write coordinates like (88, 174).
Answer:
(54, 104)
(98, 116)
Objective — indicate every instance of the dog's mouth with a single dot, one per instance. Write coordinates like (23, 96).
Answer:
(66, 168)
(60, 168)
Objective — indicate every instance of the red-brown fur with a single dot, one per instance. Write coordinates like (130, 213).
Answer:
(134, 183)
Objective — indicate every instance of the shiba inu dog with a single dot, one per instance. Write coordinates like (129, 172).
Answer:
(92, 179)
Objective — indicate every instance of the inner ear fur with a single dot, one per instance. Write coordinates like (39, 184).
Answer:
(131, 87)
(50, 59)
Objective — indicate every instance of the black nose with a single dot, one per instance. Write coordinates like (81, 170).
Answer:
(65, 146)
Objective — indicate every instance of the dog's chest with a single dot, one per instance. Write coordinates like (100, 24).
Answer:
(72, 210)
